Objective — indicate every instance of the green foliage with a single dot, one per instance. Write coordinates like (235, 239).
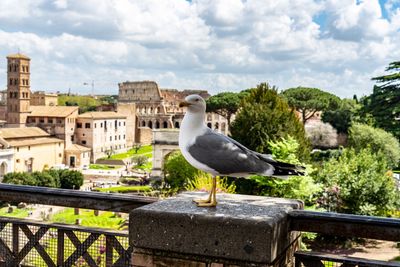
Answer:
(361, 181)
(124, 189)
(102, 167)
(203, 182)
(383, 102)
(70, 179)
(296, 187)
(142, 150)
(263, 117)
(21, 178)
(178, 171)
(45, 179)
(85, 103)
(362, 136)
(139, 160)
(307, 101)
(225, 104)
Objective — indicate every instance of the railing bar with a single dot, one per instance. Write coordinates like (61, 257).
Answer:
(109, 251)
(60, 247)
(15, 239)
(62, 226)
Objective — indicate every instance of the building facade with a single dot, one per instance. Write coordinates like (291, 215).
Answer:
(41, 98)
(33, 148)
(103, 132)
(159, 108)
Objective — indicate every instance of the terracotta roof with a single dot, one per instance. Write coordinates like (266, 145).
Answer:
(34, 141)
(76, 147)
(18, 55)
(11, 133)
(102, 115)
(52, 111)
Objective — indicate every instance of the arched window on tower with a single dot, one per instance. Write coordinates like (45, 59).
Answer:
(143, 124)
(15, 68)
(10, 68)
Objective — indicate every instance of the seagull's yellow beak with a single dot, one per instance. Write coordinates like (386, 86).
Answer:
(184, 104)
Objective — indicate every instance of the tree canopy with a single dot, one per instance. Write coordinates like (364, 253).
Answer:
(225, 104)
(383, 102)
(307, 101)
(265, 116)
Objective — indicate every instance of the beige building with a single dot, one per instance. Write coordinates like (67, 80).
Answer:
(59, 121)
(103, 132)
(18, 89)
(33, 148)
(77, 156)
(41, 98)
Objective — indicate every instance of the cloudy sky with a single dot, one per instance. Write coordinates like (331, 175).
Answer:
(218, 45)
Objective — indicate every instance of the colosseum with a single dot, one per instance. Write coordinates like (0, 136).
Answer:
(159, 108)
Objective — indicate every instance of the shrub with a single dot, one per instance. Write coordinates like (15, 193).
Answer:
(361, 183)
(362, 136)
(70, 179)
(321, 135)
(139, 160)
(178, 171)
(44, 179)
(21, 178)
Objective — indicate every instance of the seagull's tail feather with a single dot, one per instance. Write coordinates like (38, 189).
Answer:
(282, 170)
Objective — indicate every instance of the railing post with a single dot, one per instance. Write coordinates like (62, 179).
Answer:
(109, 251)
(15, 239)
(60, 247)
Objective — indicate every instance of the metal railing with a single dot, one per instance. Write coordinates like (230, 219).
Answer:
(29, 243)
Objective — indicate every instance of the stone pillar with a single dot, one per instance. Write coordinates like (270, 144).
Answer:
(241, 231)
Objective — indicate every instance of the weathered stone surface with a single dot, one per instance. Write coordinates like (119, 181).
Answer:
(244, 228)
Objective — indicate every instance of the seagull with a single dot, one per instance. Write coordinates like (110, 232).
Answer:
(220, 155)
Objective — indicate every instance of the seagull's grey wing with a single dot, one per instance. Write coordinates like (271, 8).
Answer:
(226, 157)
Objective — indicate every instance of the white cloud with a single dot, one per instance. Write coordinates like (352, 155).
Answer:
(208, 44)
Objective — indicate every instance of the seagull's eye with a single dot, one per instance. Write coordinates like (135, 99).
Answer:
(197, 100)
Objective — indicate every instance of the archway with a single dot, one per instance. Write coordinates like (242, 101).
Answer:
(143, 124)
(209, 125)
(3, 169)
(157, 124)
(176, 125)
(150, 124)
(165, 124)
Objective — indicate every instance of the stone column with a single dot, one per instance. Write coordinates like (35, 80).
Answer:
(241, 231)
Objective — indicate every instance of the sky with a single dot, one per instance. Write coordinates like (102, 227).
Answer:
(216, 45)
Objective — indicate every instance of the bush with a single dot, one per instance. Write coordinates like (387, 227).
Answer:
(178, 171)
(139, 160)
(321, 135)
(71, 179)
(203, 182)
(357, 183)
(362, 136)
(20, 178)
(44, 179)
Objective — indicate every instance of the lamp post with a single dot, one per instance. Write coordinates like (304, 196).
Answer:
(85, 83)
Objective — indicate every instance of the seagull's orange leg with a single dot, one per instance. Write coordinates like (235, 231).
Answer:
(212, 199)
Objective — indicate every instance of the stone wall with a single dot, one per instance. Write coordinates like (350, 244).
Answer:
(144, 135)
(129, 110)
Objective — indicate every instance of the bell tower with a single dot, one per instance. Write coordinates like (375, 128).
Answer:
(18, 89)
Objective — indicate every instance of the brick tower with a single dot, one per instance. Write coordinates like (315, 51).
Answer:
(18, 90)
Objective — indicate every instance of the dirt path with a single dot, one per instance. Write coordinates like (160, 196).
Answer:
(373, 249)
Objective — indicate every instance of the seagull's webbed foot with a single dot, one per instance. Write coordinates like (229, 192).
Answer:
(211, 201)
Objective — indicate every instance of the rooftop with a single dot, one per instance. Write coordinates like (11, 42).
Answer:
(18, 55)
(76, 147)
(52, 111)
(102, 115)
(34, 141)
(27, 132)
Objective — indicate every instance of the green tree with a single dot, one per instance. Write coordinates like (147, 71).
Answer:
(342, 117)
(362, 136)
(44, 179)
(357, 183)
(21, 178)
(225, 104)
(383, 102)
(178, 171)
(139, 160)
(307, 101)
(264, 116)
(70, 179)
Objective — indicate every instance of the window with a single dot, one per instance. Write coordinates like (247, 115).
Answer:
(11, 81)
(124, 123)
(17, 160)
(29, 147)
(59, 155)
(119, 123)
(59, 121)
(115, 138)
(119, 137)
(83, 142)
(115, 124)
(72, 138)
(101, 125)
(41, 120)
(17, 151)
(49, 120)
(83, 134)
(87, 125)
(79, 125)
(110, 138)
(124, 136)
(95, 125)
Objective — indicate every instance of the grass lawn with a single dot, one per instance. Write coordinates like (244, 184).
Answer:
(144, 150)
(17, 213)
(125, 189)
(102, 167)
(146, 167)
(106, 219)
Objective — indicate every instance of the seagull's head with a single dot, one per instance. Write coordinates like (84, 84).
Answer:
(194, 103)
